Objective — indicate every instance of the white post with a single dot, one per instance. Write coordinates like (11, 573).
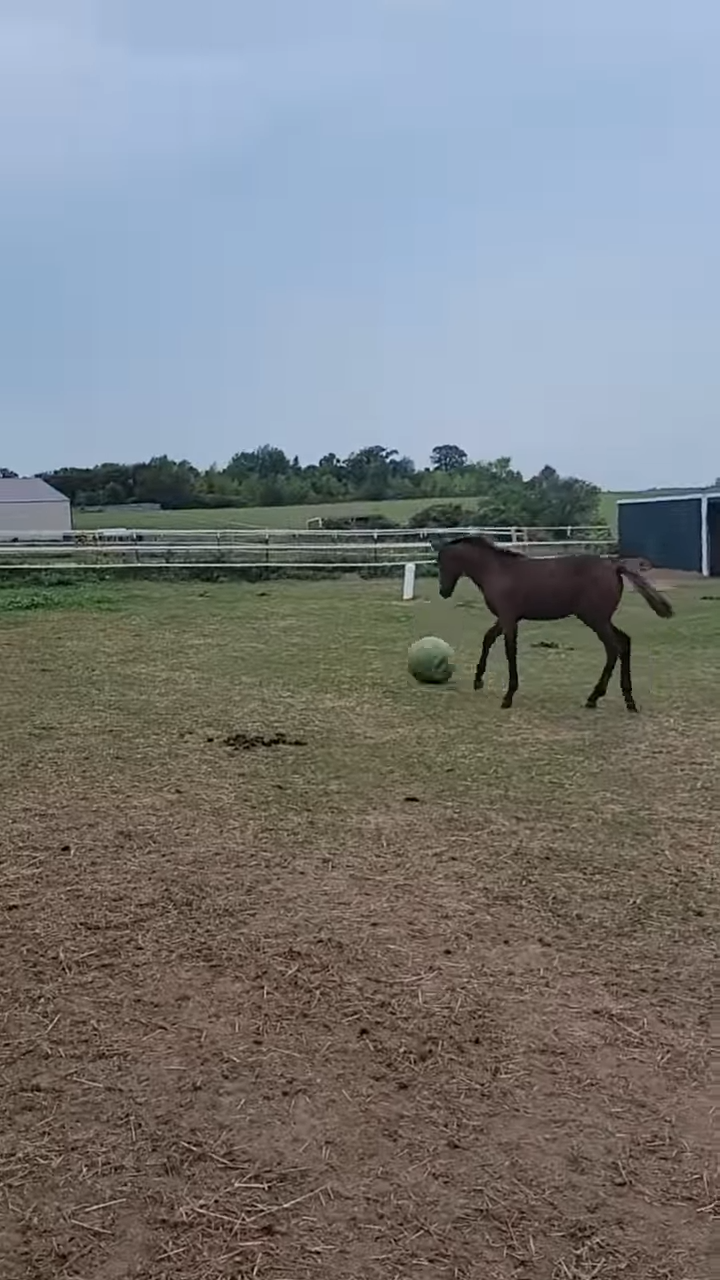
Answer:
(704, 538)
(408, 590)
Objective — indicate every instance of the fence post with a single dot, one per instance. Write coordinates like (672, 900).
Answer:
(408, 590)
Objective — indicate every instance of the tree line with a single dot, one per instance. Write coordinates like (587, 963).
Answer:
(494, 492)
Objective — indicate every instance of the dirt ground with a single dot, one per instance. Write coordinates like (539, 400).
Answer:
(346, 994)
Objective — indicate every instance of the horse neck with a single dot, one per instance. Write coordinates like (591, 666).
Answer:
(479, 562)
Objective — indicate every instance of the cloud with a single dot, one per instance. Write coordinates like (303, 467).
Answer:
(90, 86)
(69, 99)
(74, 100)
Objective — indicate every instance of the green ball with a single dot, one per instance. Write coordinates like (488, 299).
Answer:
(430, 660)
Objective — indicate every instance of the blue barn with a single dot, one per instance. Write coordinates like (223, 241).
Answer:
(673, 531)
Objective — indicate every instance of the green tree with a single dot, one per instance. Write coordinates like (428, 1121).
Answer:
(368, 472)
(266, 461)
(218, 489)
(448, 457)
(75, 483)
(272, 462)
(172, 484)
(241, 465)
(333, 464)
(559, 501)
(265, 476)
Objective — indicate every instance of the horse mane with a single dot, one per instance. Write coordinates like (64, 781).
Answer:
(486, 544)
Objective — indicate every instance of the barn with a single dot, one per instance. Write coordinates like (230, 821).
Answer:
(673, 531)
(31, 506)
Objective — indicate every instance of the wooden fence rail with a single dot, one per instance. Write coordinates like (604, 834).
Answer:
(301, 549)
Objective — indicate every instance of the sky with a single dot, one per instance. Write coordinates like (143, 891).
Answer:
(330, 223)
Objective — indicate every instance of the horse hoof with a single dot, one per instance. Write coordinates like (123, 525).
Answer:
(478, 684)
(591, 706)
(632, 708)
(505, 705)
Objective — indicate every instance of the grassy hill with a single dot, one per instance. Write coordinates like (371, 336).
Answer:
(250, 517)
(271, 517)
(399, 509)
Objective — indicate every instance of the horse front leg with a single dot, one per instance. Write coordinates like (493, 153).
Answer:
(489, 639)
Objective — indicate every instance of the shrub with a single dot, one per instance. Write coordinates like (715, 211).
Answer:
(441, 515)
(370, 522)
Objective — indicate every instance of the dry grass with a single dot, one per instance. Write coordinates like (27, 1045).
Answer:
(429, 996)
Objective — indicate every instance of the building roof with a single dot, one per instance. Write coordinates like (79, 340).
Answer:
(30, 489)
(710, 494)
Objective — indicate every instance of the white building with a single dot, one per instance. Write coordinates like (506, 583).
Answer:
(32, 506)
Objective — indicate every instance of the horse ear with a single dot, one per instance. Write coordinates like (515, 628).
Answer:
(437, 543)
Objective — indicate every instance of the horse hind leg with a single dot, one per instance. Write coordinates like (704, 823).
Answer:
(613, 648)
(624, 642)
(511, 654)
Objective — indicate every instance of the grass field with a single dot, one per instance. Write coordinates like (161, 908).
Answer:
(254, 517)
(273, 517)
(427, 993)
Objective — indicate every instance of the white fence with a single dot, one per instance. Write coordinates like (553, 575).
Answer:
(311, 549)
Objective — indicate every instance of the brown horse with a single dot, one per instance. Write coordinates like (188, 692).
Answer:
(588, 587)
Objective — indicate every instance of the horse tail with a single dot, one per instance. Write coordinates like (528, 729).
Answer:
(658, 602)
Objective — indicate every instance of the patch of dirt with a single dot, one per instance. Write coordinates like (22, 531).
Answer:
(398, 1049)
